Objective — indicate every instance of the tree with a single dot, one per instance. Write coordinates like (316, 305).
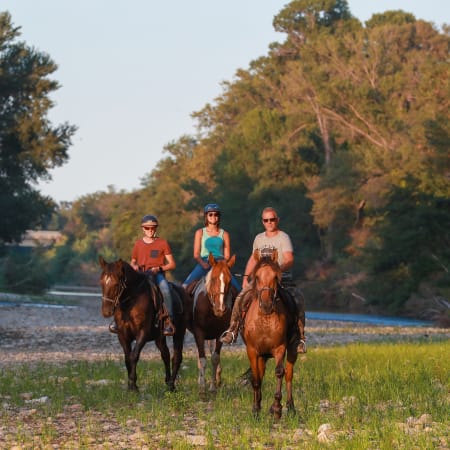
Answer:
(29, 144)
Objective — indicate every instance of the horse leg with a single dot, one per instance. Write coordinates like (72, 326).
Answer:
(161, 344)
(276, 408)
(289, 374)
(257, 366)
(177, 357)
(216, 378)
(201, 362)
(126, 346)
(133, 359)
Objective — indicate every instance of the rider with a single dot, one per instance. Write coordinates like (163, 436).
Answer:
(153, 255)
(210, 239)
(271, 238)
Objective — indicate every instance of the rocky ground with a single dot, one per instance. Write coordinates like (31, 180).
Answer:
(30, 333)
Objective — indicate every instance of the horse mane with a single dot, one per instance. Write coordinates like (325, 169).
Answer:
(267, 261)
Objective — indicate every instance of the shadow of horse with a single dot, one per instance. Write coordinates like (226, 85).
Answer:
(269, 331)
(134, 300)
(209, 314)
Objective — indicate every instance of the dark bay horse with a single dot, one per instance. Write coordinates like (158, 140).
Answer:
(270, 332)
(134, 300)
(209, 315)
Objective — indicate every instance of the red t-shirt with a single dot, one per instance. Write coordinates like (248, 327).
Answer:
(150, 255)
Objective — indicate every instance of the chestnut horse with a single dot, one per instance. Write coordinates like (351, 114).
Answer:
(133, 299)
(269, 331)
(209, 315)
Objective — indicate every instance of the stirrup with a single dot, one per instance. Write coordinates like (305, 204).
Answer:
(301, 347)
(113, 327)
(224, 337)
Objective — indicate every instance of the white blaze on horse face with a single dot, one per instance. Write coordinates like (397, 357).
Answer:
(107, 280)
(222, 292)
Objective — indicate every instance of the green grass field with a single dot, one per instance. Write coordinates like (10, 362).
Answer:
(366, 396)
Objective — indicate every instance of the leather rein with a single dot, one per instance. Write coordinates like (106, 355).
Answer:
(116, 301)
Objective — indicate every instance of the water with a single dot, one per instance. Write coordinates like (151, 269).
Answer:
(16, 300)
(369, 319)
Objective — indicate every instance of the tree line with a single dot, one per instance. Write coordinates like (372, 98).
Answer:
(342, 127)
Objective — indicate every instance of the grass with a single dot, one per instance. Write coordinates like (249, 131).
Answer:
(373, 396)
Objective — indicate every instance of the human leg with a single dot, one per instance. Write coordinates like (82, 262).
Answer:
(229, 336)
(197, 272)
(169, 327)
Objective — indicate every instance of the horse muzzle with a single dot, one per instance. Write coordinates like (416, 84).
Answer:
(108, 307)
(266, 300)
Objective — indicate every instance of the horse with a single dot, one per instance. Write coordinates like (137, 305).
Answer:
(269, 331)
(133, 299)
(209, 314)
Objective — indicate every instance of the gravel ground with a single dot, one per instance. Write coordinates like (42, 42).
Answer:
(31, 334)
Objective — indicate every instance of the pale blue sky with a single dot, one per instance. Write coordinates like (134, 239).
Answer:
(132, 72)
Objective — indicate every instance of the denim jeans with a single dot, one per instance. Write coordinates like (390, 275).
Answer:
(163, 285)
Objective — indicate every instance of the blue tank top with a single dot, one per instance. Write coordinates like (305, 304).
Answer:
(212, 244)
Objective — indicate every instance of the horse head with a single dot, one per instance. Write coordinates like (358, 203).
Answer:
(112, 281)
(218, 283)
(266, 276)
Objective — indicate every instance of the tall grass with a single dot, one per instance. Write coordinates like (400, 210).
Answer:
(372, 396)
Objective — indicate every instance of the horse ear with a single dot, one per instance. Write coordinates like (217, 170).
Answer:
(211, 259)
(257, 255)
(231, 261)
(101, 261)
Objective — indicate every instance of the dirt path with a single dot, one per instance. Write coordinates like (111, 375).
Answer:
(32, 334)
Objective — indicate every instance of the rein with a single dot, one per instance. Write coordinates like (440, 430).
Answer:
(273, 295)
(117, 300)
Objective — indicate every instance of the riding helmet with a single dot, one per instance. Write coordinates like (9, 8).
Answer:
(211, 207)
(149, 220)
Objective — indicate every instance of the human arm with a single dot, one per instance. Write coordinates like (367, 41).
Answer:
(251, 263)
(134, 264)
(169, 264)
(226, 245)
(197, 249)
(288, 261)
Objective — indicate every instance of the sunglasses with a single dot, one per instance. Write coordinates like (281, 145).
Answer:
(213, 214)
(270, 219)
(149, 228)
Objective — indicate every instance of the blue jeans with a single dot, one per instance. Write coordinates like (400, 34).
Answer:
(199, 272)
(163, 285)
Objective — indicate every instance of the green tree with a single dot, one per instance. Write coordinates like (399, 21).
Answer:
(29, 144)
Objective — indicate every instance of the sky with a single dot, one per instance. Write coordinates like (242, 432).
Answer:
(132, 73)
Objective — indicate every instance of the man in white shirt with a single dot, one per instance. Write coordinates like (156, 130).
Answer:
(272, 238)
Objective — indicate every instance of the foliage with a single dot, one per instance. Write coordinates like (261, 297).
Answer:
(24, 271)
(29, 144)
(343, 127)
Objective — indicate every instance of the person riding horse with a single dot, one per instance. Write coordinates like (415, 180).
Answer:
(271, 239)
(153, 255)
(210, 239)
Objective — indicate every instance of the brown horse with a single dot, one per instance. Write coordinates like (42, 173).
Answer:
(270, 331)
(209, 315)
(133, 299)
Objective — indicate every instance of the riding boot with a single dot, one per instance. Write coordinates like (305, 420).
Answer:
(230, 336)
(113, 327)
(301, 347)
(167, 317)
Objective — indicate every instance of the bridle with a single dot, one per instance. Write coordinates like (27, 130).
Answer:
(273, 295)
(116, 301)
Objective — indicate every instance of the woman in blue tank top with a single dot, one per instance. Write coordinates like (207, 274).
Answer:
(210, 239)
